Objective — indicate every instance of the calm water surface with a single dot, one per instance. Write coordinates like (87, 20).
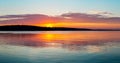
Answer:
(60, 47)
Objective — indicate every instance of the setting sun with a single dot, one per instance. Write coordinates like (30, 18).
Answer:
(49, 25)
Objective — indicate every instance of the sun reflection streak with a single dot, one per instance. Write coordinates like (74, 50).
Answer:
(46, 37)
(49, 36)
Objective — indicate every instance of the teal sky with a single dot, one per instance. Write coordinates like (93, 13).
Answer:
(56, 7)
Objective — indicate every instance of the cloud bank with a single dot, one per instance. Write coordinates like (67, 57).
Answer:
(32, 19)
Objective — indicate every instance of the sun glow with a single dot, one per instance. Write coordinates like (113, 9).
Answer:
(48, 25)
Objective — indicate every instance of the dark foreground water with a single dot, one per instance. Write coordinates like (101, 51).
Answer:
(60, 47)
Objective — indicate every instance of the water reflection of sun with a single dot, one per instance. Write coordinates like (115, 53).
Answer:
(46, 37)
(49, 36)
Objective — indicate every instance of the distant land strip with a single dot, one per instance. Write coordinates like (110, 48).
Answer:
(37, 28)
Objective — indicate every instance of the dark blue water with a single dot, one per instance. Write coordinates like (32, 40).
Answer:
(60, 47)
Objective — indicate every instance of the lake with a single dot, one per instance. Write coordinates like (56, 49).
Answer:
(60, 47)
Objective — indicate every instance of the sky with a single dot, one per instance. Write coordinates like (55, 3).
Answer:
(61, 13)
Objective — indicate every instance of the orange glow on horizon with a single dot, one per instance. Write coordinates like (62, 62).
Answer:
(49, 25)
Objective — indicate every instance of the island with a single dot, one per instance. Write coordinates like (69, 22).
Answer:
(38, 28)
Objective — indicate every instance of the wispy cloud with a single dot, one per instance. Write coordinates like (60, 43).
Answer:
(100, 12)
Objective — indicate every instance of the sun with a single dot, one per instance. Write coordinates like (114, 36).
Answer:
(49, 25)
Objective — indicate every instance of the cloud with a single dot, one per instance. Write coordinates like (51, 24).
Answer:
(91, 18)
(66, 17)
(23, 19)
(100, 12)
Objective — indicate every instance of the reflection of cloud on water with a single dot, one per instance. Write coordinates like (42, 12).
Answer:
(94, 49)
(72, 42)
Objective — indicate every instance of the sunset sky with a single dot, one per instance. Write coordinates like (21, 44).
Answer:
(103, 14)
